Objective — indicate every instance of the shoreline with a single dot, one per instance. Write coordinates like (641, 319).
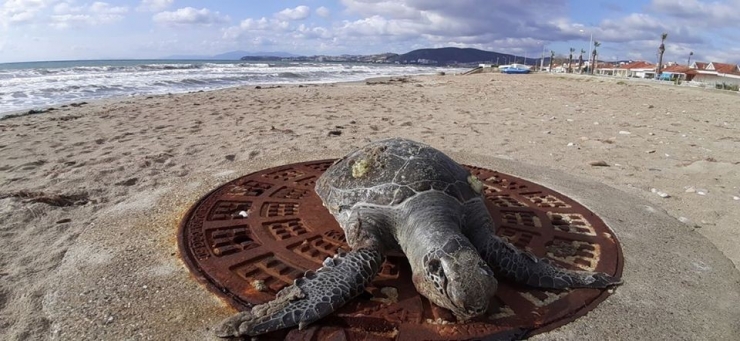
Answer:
(63, 105)
(91, 199)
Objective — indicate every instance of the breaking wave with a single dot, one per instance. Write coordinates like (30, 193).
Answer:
(28, 85)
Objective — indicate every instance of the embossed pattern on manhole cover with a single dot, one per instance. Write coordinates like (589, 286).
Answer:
(253, 236)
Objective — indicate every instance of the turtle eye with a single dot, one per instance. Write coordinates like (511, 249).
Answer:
(434, 267)
(436, 273)
(485, 269)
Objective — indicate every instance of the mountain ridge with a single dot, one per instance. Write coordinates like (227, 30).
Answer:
(456, 55)
(427, 56)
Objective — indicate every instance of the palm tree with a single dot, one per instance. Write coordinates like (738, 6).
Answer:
(552, 56)
(570, 60)
(593, 56)
(661, 49)
(688, 62)
(580, 61)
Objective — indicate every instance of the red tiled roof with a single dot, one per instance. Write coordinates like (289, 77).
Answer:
(676, 68)
(724, 68)
(720, 68)
(701, 65)
(637, 65)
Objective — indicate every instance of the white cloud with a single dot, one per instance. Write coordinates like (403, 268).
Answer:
(403, 25)
(263, 26)
(66, 7)
(298, 13)
(21, 11)
(727, 55)
(323, 12)
(509, 27)
(635, 26)
(21, 17)
(27, 5)
(105, 8)
(399, 25)
(262, 41)
(97, 13)
(389, 9)
(469, 22)
(190, 16)
(154, 5)
(376, 26)
(306, 32)
(713, 13)
(707, 27)
(62, 21)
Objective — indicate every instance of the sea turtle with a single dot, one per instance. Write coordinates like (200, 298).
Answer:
(401, 195)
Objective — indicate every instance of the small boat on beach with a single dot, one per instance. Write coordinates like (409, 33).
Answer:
(514, 69)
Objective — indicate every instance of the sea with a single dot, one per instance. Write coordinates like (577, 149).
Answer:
(37, 85)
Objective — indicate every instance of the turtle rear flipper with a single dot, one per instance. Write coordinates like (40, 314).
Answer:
(523, 267)
(309, 298)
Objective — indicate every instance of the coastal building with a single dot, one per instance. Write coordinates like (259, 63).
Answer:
(720, 75)
(699, 65)
(606, 69)
(713, 73)
(560, 68)
(424, 61)
(636, 69)
(675, 72)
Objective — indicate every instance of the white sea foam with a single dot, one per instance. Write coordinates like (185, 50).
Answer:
(34, 85)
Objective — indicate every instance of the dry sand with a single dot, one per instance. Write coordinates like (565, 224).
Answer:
(91, 196)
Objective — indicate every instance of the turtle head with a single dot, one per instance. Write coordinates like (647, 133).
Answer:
(461, 282)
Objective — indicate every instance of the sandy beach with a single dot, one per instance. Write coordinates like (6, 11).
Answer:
(91, 195)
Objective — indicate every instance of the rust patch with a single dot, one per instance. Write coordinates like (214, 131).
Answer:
(270, 226)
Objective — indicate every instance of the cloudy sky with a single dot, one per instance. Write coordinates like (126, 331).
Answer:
(628, 29)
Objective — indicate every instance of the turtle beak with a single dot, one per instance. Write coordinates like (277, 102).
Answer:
(471, 298)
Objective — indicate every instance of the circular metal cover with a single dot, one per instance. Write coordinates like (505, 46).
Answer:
(253, 236)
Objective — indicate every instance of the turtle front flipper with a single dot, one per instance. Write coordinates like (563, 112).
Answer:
(309, 298)
(521, 266)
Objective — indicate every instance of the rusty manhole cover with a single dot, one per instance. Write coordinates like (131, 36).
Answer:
(264, 230)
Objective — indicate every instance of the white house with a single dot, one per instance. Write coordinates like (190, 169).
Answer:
(714, 73)
(639, 69)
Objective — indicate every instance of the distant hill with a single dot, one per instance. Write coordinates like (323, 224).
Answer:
(232, 55)
(455, 55)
